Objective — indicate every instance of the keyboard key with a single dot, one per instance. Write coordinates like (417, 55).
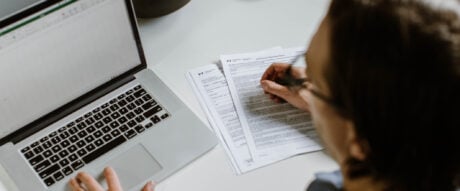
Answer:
(64, 135)
(38, 149)
(64, 162)
(44, 139)
(114, 100)
(129, 92)
(54, 158)
(139, 93)
(124, 128)
(97, 134)
(29, 154)
(106, 129)
(137, 87)
(80, 119)
(56, 148)
(81, 143)
(114, 124)
(107, 120)
(122, 103)
(90, 121)
(35, 144)
(63, 153)
(115, 115)
(107, 137)
(55, 140)
(99, 124)
(70, 124)
(98, 116)
(90, 129)
(46, 145)
(123, 111)
(82, 134)
(148, 125)
(26, 149)
(67, 170)
(73, 130)
(73, 138)
(152, 111)
(147, 97)
(100, 151)
(73, 157)
(131, 106)
(139, 102)
(114, 108)
(81, 152)
(65, 143)
(89, 138)
(138, 111)
(164, 116)
(106, 111)
(121, 96)
(36, 160)
(131, 115)
(42, 165)
(122, 120)
(139, 129)
(77, 164)
(62, 129)
(98, 142)
(90, 147)
(49, 171)
(130, 134)
(72, 148)
(87, 115)
(53, 134)
(155, 119)
(115, 132)
(130, 98)
(132, 123)
(149, 105)
(81, 125)
(105, 105)
(47, 153)
(140, 118)
(58, 176)
(49, 181)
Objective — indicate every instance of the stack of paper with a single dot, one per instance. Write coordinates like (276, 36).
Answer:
(253, 130)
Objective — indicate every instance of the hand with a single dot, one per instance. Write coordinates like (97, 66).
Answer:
(85, 182)
(280, 93)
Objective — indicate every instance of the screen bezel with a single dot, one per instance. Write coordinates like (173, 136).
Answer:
(84, 99)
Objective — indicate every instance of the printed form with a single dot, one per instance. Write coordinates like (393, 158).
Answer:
(271, 132)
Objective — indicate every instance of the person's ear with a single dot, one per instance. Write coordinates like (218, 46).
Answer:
(356, 146)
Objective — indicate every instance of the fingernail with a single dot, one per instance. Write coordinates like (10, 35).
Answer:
(263, 84)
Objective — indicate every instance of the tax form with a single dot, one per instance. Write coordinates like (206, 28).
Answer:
(272, 130)
(213, 93)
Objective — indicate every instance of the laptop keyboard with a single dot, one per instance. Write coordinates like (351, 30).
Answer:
(83, 140)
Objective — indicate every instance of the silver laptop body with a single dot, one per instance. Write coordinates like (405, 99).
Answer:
(76, 95)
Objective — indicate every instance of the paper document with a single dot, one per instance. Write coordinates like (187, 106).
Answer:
(273, 136)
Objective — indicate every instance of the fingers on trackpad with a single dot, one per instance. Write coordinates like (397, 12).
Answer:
(134, 166)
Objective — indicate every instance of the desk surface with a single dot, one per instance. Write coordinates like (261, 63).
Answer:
(196, 35)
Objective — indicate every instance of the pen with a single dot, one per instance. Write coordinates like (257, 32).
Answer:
(288, 79)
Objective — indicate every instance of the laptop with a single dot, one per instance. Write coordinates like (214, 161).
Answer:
(76, 95)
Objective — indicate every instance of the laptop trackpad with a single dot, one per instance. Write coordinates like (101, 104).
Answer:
(134, 166)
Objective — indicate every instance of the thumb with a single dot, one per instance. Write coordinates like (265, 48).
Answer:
(275, 89)
(149, 186)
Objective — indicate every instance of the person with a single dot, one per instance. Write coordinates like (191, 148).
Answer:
(383, 87)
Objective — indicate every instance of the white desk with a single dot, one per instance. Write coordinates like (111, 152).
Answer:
(196, 35)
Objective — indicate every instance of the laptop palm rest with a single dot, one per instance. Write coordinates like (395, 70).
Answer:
(134, 166)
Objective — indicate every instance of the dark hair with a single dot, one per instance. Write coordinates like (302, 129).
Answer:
(395, 72)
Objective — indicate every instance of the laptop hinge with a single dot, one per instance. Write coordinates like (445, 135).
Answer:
(70, 107)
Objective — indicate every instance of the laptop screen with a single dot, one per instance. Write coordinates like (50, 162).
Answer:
(60, 53)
